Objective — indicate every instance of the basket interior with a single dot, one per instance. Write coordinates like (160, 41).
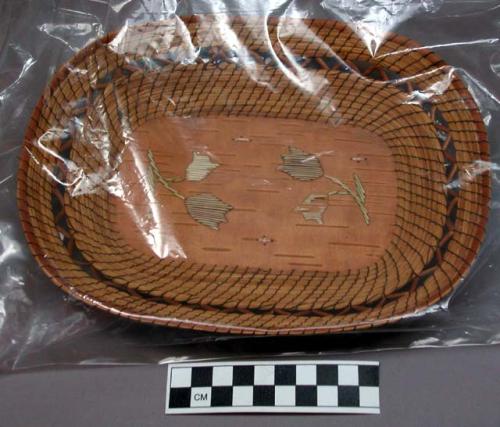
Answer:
(268, 225)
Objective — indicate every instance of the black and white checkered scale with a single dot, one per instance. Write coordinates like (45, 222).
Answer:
(337, 386)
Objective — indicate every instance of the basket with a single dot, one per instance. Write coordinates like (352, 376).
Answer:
(253, 176)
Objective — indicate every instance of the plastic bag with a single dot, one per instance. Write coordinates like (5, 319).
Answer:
(238, 168)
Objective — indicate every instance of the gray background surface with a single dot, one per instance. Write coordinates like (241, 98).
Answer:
(432, 387)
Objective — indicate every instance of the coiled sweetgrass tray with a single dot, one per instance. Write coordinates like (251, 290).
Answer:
(309, 73)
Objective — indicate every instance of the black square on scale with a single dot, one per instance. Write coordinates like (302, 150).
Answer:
(348, 396)
(306, 395)
(327, 375)
(222, 396)
(368, 375)
(180, 397)
(201, 376)
(285, 374)
(243, 375)
(263, 395)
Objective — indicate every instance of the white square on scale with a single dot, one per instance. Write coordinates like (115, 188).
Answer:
(180, 377)
(284, 395)
(264, 375)
(243, 395)
(348, 375)
(201, 397)
(222, 375)
(328, 395)
(369, 396)
(306, 375)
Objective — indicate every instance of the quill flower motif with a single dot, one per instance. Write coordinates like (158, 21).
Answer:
(314, 205)
(207, 209)
(307, 167)
(301, 165)
(204, 208)
(200, 167)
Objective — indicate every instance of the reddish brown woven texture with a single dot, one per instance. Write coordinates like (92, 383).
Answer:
(120, 83)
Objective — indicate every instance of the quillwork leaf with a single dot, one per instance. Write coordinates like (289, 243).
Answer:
(359, 195)
(301, 165)
(312, 213)
(207, 209)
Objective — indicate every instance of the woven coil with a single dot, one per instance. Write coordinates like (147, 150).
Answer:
(120, 82)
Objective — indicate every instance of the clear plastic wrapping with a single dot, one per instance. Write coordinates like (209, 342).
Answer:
(198, 178)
